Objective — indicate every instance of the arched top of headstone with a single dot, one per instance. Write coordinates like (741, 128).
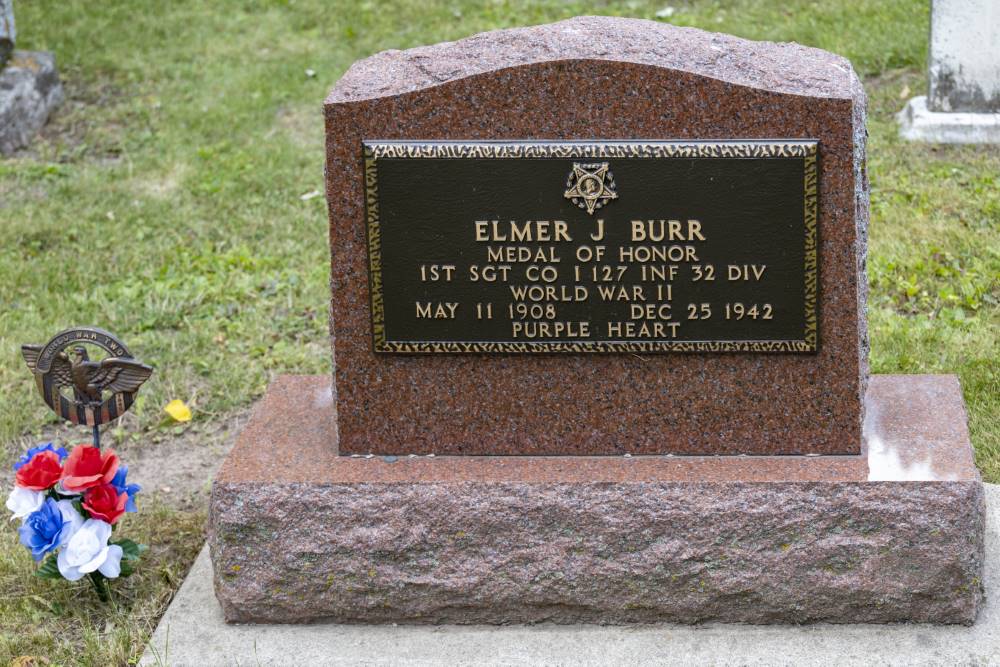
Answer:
(787, 68)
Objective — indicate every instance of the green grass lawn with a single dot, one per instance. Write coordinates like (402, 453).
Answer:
(165, 203)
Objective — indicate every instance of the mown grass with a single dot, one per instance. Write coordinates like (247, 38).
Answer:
(57, 623)
(934, 262)
(165, 203)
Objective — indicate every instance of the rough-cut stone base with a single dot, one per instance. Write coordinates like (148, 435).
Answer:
(29, 91)
(918, 123)
(298, 533)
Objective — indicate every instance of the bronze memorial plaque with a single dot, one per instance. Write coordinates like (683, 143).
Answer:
(639, 246)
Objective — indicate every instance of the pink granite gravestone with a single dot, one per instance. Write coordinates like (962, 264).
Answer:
(588, 79)
(452, 472)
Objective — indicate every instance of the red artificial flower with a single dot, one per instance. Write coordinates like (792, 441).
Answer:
(105, 503)
(41, 472)
(88, 466)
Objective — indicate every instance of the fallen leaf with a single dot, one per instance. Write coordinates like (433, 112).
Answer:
(178, 410)
(310, 195)
(904, 93)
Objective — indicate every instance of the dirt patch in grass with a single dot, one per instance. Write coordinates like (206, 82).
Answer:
(174, 467)
(301, 124)
(178, 470)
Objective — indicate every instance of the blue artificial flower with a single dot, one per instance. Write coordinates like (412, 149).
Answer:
(45, 529)
(121, 486)
(47, 447)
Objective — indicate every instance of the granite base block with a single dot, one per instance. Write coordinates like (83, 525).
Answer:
(298, 533)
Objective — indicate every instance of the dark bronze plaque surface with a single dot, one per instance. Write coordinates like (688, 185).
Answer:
(592, 246)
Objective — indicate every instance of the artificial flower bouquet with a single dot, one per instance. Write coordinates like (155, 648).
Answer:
(69, 506)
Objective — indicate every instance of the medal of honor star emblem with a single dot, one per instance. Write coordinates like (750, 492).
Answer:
(590, 186)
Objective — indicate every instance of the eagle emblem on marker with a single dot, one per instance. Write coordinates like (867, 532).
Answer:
(101, 390)
(590, 186)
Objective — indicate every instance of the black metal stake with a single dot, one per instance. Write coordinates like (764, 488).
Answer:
(97, 436)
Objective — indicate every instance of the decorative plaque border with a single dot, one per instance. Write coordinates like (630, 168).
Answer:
(749, 149)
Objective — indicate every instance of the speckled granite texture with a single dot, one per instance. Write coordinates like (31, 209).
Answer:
(603, 78)
(298, 533)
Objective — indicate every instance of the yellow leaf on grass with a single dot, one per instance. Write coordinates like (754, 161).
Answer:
(179, 410)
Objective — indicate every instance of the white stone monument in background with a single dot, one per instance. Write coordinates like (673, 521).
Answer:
(29, 87)
(963, 101)
(8, 33)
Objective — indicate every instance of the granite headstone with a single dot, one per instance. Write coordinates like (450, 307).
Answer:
(619, 81)
(461, 466)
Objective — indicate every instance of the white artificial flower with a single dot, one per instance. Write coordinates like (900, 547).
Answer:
(88, 550)
(23, 502)
(72, 520)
